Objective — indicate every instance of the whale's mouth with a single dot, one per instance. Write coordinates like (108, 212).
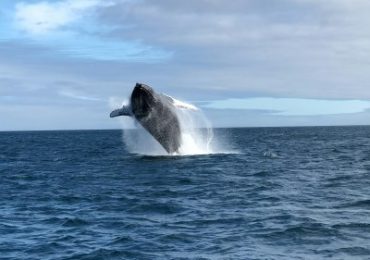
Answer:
(143, 88)
(142, 100)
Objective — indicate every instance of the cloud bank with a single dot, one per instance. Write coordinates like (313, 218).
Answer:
(293, 106)
(277, 55)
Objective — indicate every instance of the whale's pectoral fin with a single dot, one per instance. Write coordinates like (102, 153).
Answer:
(124, 111)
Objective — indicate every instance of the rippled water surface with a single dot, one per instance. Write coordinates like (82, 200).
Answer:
(289, 193)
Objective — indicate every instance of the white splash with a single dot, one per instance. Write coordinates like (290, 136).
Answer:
(197, 136)
(139, 141)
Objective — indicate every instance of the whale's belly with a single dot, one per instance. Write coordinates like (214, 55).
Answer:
(163, 124)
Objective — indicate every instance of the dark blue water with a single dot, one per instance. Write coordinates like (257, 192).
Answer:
(290, 193)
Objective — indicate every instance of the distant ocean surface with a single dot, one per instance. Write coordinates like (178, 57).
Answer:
(285, 193)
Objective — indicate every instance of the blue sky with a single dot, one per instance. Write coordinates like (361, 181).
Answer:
(251, 63)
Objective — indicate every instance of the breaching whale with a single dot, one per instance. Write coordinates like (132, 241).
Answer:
(156, 112)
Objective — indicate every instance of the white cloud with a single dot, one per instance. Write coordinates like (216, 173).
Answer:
(72, 28)
(45, 17)
(294, 106)
(75, 95)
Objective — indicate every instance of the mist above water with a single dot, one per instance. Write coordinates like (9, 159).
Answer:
(196, 136)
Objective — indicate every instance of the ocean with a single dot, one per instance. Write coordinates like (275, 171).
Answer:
(267, 193)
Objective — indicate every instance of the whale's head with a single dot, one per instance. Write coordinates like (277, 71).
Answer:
(142, 100)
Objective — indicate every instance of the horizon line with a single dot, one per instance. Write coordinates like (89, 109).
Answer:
(217, 127)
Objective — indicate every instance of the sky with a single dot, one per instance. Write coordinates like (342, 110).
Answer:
(65, 64)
